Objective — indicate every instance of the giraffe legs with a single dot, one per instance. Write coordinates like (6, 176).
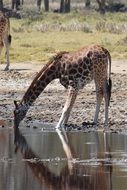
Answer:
(104, 91)
(107, 96)
(1, 47)
(6, 42)
(106, 108)
(99, 98)
(72, 94)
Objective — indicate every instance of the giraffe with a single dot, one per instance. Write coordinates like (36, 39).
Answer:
(5, 37)
(74, 70)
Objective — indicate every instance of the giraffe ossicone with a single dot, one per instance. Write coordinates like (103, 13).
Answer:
(74, 70)
(5, 37)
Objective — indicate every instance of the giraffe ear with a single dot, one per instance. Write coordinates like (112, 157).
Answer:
(16, 105)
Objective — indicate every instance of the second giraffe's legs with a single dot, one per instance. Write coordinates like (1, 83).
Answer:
(6, 42)
(99, 98)
(68, 106)
(1, 47)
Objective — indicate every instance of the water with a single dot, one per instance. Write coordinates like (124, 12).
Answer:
(55, 160)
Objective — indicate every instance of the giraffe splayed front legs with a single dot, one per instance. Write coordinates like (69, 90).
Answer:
(72, 94)
(5, 37)
(74, 70)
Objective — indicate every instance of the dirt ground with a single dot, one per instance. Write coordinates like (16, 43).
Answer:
(48, 107)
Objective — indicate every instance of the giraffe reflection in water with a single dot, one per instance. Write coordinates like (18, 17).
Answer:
(74, 176)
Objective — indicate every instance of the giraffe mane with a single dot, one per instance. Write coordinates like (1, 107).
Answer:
(53, 59)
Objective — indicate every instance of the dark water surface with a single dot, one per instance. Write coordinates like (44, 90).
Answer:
(56, 160)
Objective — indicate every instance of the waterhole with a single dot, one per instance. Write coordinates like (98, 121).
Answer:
(32, 159)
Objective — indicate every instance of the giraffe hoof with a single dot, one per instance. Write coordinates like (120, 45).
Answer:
(88, 123)
(106, 125)
(6, 69)
(57, 126)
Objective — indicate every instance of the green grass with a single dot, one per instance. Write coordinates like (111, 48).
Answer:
(30, 44)
(37, 46)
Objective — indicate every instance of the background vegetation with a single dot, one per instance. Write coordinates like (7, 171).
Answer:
(38, 34)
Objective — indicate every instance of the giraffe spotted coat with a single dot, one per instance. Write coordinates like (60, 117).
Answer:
(74, 70)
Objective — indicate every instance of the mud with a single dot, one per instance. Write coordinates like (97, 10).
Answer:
(48, 107)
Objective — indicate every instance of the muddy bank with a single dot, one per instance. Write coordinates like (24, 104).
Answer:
(48, 106)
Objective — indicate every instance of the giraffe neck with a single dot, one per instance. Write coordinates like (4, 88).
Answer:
(44, 77)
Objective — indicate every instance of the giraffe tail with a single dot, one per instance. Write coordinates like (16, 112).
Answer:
(9, 38)
(109, 90)
(109, 81)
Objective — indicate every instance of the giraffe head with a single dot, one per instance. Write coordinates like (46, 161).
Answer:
(19, 113)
